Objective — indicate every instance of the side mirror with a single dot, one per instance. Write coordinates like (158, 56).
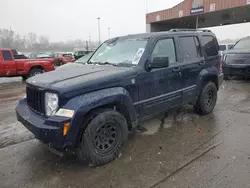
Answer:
(159, 62)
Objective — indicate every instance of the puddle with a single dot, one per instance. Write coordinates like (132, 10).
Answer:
(155, 125)
(238, 97)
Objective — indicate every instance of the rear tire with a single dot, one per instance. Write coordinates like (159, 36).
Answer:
(35, 71)
(207, 99)
(103, 138)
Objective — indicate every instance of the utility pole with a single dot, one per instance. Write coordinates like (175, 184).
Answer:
(146, 6)
(89, 39)
(197, 22)
(99, 30)
(87, 46)
(109, 32)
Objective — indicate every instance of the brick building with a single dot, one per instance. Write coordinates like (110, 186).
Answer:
(199, 13)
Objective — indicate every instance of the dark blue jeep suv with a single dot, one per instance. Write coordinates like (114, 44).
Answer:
(90, 108)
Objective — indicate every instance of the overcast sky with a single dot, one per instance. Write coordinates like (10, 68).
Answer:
(71, 19)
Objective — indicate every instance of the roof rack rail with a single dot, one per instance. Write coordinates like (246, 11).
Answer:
(199, 30)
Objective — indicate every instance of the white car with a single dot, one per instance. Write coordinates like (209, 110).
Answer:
(224, 47)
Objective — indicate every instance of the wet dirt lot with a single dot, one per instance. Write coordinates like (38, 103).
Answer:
(181, 150)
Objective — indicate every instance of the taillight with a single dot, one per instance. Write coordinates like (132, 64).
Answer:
(220, 64)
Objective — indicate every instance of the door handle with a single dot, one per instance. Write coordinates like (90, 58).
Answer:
(177, 69)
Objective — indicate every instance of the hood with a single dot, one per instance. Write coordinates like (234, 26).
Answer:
(74, 77)
(237, 51)
(237, 57)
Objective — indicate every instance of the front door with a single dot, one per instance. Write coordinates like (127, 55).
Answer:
(160, 88)
(8, 63)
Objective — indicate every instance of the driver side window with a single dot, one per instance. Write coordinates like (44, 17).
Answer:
(165, 47)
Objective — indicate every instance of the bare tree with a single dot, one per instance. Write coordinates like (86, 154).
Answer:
(31, 39)
(44, 43)
(7, 38)
(34, 43)
(44, 40)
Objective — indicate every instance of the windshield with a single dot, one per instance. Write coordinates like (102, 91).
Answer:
(243, 44)
(120, 51)
(42, 55)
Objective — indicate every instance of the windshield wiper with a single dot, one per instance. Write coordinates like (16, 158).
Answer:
(100, 63)
(122, 64)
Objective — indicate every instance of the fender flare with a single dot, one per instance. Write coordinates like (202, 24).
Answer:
(85, 103)
(28, 67)
(210, 73)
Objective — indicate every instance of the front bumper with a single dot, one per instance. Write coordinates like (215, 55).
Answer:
(236, 70)
(47, 130)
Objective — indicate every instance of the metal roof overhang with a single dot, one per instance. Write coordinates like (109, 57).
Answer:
(210, 19)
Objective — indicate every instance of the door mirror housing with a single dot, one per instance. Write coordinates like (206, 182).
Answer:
(159, 62)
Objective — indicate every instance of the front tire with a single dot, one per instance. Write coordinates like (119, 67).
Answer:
(35, 71)
(24, 78)
(103, 138)
(207, 99)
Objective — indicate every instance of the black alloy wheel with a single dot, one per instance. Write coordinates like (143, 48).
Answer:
(106, 138)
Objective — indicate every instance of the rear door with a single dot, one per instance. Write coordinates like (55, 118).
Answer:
(8, 63)
(211, 49)
(1, 64)
(193, 62)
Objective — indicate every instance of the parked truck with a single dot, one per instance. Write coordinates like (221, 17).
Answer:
(11, 67)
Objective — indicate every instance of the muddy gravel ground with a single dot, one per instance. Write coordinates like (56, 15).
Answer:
(173, 150)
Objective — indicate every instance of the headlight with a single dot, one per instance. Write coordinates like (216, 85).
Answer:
(51, 103)
(224, 58)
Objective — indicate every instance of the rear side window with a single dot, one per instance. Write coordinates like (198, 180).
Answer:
(210, 46)
(222, 47)
(190, 48)
(67, 55)
(165, 47)
(6, 55)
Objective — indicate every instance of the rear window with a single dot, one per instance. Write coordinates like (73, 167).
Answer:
(190, 47)
(222, 47)
(80, 53)
(67, 55)
(210, 45)
(6, 55)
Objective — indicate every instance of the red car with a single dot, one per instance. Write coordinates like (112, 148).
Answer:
(64, 58)
(11, 67)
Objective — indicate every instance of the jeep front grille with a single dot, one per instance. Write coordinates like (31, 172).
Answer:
(35, 100)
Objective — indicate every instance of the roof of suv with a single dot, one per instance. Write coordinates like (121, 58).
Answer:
(172, 31)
